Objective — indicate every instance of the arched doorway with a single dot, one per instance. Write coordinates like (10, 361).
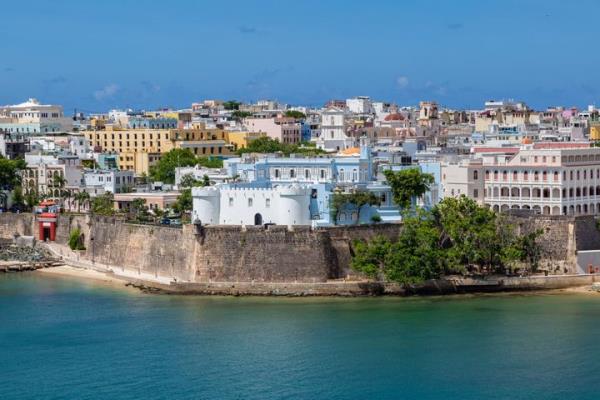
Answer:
(258, 219)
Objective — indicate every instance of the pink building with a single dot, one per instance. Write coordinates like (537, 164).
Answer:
(286, 130)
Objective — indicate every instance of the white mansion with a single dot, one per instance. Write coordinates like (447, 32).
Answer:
(549, 178)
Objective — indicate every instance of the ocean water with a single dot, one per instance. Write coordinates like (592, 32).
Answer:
(62, 338)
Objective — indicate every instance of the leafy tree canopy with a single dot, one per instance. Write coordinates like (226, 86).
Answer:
(357, 198)
(455, 235)
(164, 169)
(295, 114)
(266, 144)
(232, 105)
(408, 184)
(103, 204)
(9, 172)
(241, 114)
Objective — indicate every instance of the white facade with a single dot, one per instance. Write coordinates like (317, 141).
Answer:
(79, 145)
(333, 131)
(114, 181)
(464, 177)
(281, 205)
(215, 175)
(548, 178)
(33, 117)
(360, 105)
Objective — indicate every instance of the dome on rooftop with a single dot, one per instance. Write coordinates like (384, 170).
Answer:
(395, 117)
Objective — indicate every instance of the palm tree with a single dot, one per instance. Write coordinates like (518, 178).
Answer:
(82, 198)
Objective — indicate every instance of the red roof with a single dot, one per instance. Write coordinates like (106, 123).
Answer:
(508, 150)
(559, 145)
(395, 117)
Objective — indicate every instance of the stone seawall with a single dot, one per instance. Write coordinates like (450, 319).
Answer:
(219, 258)
(16, 224)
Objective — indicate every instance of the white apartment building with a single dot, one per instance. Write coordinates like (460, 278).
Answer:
(360, 105)
(549, 178)
(111, 180)
(333, 131)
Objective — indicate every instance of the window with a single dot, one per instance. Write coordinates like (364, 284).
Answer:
(476, 193)
(306, 173)
(276, 173)
(250, 202)
(231, 202)
(292, 173)
(322, 174)
(475, 175)
(341, 177)
(268, 203)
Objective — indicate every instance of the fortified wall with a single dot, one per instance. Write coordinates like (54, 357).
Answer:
(275, 254)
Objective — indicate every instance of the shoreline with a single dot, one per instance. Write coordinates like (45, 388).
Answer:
(281, 290)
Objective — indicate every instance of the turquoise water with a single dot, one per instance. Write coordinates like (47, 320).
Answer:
(65, 339)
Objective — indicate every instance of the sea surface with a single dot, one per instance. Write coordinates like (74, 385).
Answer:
(62, 338)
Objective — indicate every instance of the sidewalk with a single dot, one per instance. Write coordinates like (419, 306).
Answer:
(73, 259)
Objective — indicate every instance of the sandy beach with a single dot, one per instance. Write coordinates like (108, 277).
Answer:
(81, 273)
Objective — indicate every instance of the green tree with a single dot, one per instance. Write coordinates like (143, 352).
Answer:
(82, 198)
(232, 105)
(413, 258)
(357, 198)
(239, 115)
(17, 196)
(10, 175)
(408, 184)
(471, 230)
(184, 201)
(295, 114)
(265, 144)
(138, 210)
(32, 199)
(164, 169)
(103, 204)
(456, 234)
(209, 162)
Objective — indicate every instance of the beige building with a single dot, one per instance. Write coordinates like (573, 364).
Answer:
(463, 177)
(153, 200)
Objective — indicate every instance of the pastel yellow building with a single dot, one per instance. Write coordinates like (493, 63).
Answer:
(241, 140)
(595, 132)
(141, 148)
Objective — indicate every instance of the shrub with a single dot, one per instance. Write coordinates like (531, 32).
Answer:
(75, 240)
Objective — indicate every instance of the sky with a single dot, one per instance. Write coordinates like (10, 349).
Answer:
(95, 55)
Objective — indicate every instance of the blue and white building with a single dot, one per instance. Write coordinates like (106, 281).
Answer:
(313, 180)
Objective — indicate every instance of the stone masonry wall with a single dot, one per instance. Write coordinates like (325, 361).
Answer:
(258, 254)
(11, 224)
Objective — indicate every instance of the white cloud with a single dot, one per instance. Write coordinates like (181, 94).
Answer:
(402, 82)
(106, 92)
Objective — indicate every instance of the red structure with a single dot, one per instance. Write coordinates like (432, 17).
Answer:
(47, 226)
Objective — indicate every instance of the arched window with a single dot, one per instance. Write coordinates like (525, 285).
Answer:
(475, 175)
(341, 178)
